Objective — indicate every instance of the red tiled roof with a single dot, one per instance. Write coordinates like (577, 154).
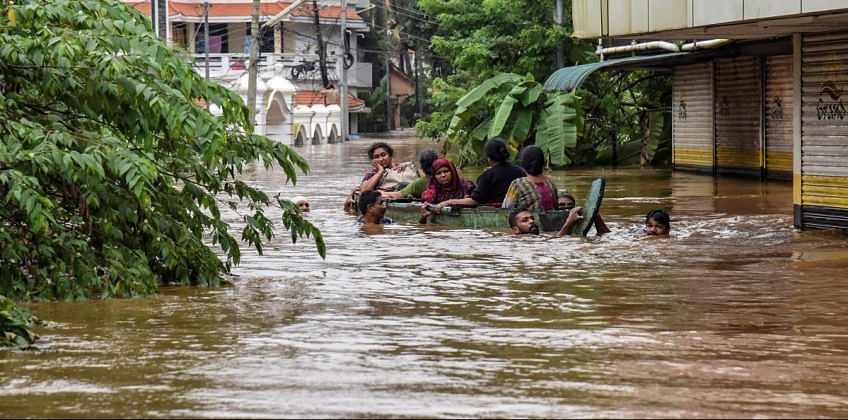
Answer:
(309, 98)
(243, 9)
(142, 6)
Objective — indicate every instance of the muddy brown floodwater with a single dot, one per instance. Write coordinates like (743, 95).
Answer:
(736, 314)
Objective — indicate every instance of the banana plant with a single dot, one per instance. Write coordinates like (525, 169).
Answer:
(523, 114)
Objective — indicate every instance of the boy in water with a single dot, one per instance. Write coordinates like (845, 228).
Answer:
(657, 222)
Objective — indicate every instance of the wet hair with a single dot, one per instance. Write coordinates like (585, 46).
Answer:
(659, 216)
(514, 215)
(532, 160)
(496, 150)
(426, 160)
(567, 195)
(366, 199)
(380, 145)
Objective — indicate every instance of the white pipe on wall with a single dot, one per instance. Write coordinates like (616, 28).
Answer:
(661, 45)
(710, 43)
(653, 45)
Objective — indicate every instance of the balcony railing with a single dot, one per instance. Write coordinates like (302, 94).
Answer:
(296, 67)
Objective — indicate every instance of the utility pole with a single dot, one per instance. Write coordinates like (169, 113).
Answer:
(389, 110)
(206, 42)
(419, 97)
(343, 82)
(206, 36)
(322, 56)
(560, 56)
(254, 55)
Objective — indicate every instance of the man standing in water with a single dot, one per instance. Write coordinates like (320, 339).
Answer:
(373, 209)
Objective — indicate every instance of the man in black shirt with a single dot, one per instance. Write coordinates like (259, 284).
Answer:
(493, 183)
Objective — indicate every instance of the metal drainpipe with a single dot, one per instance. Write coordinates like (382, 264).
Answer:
(600, 50)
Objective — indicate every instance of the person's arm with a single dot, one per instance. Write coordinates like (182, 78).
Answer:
(573, 217)
(415, 188)
(350, 203)
(600, 226)
(424, 215)
(392, 194)
(468, 201)
(372, 183)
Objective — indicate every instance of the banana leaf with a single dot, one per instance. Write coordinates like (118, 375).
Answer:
(467, 103)
(505, 110)
(482, 130)
(522, 125)
(557, 130)
(531, 95)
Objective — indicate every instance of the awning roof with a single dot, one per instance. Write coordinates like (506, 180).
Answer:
(569, 78)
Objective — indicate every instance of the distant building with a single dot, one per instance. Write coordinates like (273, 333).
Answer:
(290, 47)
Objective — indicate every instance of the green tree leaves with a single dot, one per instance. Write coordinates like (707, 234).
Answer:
(15, 324)
(111, 174)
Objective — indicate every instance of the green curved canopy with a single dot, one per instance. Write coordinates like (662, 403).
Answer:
(570, 78)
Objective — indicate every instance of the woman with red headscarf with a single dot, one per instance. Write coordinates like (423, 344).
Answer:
(445, 183)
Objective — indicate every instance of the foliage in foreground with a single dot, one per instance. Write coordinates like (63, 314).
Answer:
(15, 324)
(111, 175)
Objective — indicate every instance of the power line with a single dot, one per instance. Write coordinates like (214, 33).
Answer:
(421, 18)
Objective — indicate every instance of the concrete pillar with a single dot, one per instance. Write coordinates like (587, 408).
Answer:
(191, 42)
(278, 39)
(796, 129)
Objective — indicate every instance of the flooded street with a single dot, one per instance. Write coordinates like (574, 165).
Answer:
(735, 315)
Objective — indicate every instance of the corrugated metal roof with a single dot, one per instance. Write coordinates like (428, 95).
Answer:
(569, 78)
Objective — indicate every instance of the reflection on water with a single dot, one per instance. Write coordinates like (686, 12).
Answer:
(735, 314)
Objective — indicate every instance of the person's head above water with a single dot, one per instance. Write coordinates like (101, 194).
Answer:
(445, 174)
(657, 222)
(522, 222)
(496, 150)
(566, 200)
(302, 203)
(382, 153)
(426, 160)
(371, 205)
(372, 202)
(532, 160)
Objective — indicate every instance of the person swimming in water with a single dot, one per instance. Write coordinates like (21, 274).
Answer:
(657, 222)
(302, 203)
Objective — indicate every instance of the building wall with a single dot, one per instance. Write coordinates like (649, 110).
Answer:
(738, 94)
(779, 104)
(692, 116)
(596, 18)
(824, 131)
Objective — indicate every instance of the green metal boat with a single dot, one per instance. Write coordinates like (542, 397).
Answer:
(404, 211)
(408, 211)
